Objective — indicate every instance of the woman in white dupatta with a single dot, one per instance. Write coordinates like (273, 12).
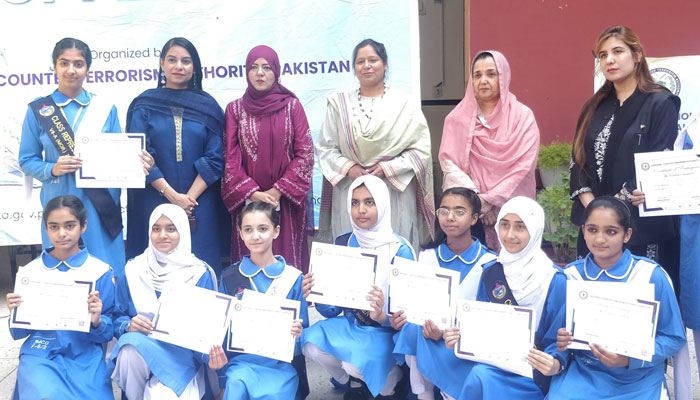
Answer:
(144, 367)
(379, 131)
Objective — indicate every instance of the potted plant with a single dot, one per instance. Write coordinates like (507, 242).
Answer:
(559, 230)
(552, 161)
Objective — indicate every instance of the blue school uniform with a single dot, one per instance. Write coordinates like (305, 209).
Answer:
(67, 364)
(174, 366)
(250, 376)
(38, 155)
(469, 264)
(586, 377)
(464, 379)
(689, 273)
(367, 347)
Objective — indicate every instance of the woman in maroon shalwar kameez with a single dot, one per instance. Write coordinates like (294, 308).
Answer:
(268, 155)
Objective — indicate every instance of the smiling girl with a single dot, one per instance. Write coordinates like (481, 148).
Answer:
(67, 364)
(142, 366)
(356, 348)
(599, 373)
(454, 248)
(249, 376)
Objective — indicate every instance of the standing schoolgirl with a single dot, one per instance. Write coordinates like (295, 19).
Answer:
(142, 366)
(454, 248)
(358, 346)
(67, 364)
(598, 373)
(523, 276)
(250, 376)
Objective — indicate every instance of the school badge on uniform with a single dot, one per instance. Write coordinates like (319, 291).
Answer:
(46, 111)
(239, 292)
(499, 290)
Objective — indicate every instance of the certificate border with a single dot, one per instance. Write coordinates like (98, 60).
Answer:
(373, 256)
(140, 136)
(229, 335)
(14, 311)
(449, 292)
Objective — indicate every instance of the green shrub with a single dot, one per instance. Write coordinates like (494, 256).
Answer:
(556, 203)
(554, 155)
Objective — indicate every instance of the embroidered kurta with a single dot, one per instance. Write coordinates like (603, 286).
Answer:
(369, 348)
(586, 377)
(38, 155)
(248, 167)
(183, 145)
(174, 366)
(396, 137)
(68, 364)
(250, 376)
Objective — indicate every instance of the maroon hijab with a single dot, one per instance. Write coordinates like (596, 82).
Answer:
(268, 108)
(275, 98)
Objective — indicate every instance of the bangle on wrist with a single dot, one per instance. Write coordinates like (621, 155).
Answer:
(162, 191)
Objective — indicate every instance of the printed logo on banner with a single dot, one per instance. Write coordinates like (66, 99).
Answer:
(668, 78)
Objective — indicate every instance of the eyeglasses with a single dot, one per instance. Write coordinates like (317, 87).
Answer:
(443, 212)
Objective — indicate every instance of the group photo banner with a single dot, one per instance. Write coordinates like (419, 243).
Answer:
(313, 38)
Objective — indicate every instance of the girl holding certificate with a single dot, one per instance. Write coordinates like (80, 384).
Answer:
(356, 348)
(523, 275)
(249, 376)
(454, 248)
(67, 364)
(51, 159)
(599, 373)
(142, 366)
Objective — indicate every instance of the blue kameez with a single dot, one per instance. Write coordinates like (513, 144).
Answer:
(250, 376)
(199, 150)
(38, 155)
(368, 348)
(587, 378)
(689, 273)
(174, 366)
(464, 379)
(68, 364)
(410, 337)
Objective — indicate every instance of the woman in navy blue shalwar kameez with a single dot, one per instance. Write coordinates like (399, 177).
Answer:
(184, 128)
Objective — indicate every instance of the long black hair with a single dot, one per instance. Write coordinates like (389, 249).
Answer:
(266, 208)
(472, 199)
(196, 81)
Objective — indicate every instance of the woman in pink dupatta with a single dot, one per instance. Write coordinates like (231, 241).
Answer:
(490, 141)
(269, 157)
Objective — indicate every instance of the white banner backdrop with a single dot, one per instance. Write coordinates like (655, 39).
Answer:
(680, 75)
(313, 38)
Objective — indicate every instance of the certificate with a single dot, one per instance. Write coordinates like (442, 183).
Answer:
(620, 317)
(424, 292)
(192, 317)
(343, 276)
(496, 334)
(51, 302)
(262, 324)
(110, 160)
(669, 180)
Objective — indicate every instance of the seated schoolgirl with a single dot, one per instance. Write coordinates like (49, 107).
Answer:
(67, 364)
(599, 373)
(454, 248)
(358, 346)
(141, 366)
(250, 376)
(523, 275)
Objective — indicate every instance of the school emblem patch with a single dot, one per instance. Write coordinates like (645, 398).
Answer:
(499, 290)
(239, 292)
(46, 111)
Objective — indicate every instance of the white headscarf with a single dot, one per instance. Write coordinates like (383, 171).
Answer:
(381, 233)
(151, 271)
(529, 271)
